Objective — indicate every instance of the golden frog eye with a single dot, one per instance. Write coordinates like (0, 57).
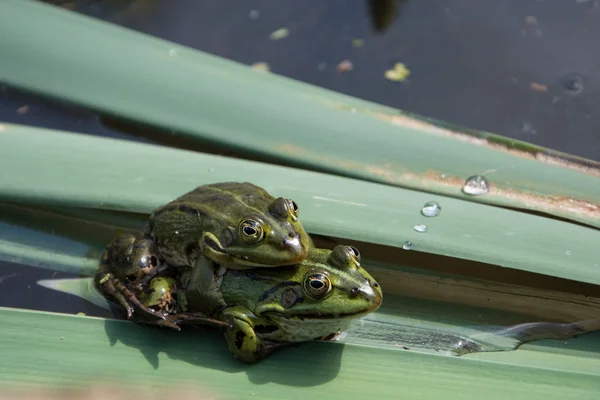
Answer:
(251, 231)
(317, 285)
(354, 253)
(294, 209)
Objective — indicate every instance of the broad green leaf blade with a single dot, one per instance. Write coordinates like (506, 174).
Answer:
(45, 348)
(83, 171)
(209, 98)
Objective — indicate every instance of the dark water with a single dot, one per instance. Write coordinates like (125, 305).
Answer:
(527, 69)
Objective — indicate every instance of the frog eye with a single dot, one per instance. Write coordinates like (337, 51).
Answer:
(354, 253)
(317, 285)
(251, 231)
(294, 209)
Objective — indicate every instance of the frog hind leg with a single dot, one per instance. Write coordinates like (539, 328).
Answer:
(242, 339)
(196, 318)
(136, 311)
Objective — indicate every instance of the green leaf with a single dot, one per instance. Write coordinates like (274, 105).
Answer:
(74, 349)
(137, 178)
(214, 100)
(63, 196)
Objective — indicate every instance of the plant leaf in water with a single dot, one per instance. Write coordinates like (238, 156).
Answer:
(354, 210)
(202, 92)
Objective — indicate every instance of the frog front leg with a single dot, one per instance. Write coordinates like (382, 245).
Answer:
(114, 290)
(242, 338)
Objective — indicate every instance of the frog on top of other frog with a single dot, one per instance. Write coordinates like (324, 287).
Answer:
(236, 225)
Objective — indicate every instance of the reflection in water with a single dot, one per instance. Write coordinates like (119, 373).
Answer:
(383, 13)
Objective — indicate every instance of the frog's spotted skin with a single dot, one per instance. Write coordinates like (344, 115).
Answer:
(269, 308)
(236, 225)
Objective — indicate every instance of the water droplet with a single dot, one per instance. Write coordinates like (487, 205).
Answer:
(476, 185)
(177, 232)
(420, 228)
(254, 14)
(443, 176)
(172, 52)
(567, 252)
(431, 209)
(407, 245)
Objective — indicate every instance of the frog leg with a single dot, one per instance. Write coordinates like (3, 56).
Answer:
(242, 339)
(196, 318)
(114, 289)
(201, 285)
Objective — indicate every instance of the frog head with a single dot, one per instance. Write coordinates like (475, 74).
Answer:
(274, 237)
(320, 296)
(132, 259)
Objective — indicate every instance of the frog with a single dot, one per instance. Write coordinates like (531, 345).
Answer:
(234, 224)
(132, 275)
(237, 225)
(271, 308)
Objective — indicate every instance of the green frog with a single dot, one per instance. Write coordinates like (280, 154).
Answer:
(236, 225)
(270, 308)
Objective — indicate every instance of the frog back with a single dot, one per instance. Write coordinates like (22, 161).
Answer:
(177, 227)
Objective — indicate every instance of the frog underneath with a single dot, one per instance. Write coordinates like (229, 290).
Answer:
(270, 308)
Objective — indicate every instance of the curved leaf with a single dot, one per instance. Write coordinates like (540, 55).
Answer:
(209, 98)
(98, 173)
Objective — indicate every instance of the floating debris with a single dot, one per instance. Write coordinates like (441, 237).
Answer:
(345, 66)
(476, 185)
(420, 228)
(81, 314)
(261, 66)
(398, 73)
(279, 34)
(254, 14)
(358, 42)
(407, 245)
(431, 209)
(322, 66)
(538, 87)
(530, 20)
(23, 110)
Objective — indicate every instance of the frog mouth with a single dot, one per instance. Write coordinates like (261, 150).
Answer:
(213, 244)
(324, 316)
